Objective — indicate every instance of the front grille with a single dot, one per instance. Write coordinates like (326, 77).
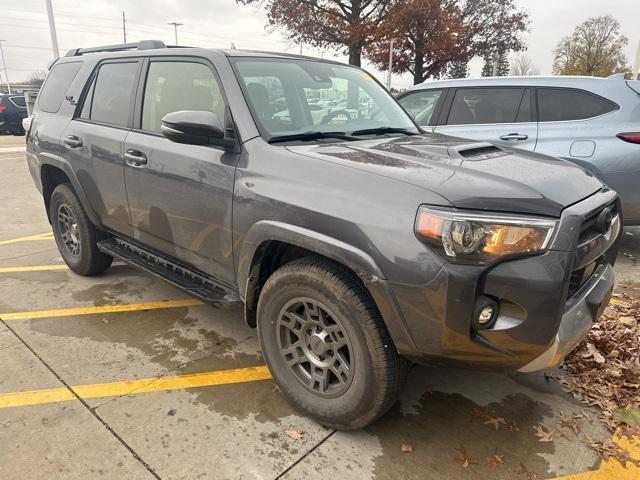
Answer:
(581, 276)
(589, 233)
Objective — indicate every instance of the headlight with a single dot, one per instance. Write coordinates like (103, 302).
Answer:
(479, 238)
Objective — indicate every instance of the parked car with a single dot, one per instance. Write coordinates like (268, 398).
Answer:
(357, 245)
(593, 122)
(12, 110)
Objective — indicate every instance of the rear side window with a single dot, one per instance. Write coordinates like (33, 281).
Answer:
(421, 105)
(56, 86)
(486, 105)
(110, 97)
(18, 102)
(559, 104)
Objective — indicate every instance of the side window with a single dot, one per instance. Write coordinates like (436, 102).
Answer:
(172, 86)
(525, 113)
(18, 102)
(56, 86)
(559, 104)
(421, 105)
(485, 105)
(110, 97)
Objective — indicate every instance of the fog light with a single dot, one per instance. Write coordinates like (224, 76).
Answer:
(485, 313)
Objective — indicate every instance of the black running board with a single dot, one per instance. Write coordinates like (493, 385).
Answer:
(192, 281)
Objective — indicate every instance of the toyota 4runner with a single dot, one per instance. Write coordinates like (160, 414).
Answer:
(358, 243)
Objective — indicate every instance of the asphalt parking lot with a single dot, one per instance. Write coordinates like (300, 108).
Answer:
(123, 376)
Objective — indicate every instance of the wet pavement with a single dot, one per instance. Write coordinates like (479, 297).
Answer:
(455, 421)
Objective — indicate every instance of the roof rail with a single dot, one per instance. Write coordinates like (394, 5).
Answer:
(617, 76)
(141, 45)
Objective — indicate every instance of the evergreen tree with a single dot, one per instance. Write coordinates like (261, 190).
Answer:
(458, 69)
(503, 65)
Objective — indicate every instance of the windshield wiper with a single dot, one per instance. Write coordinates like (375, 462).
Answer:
(382, 131)
(310, 136)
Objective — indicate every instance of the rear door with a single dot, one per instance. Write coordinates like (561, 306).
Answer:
(93, 140)
(501, 115)
(572, 123)
(180, 195)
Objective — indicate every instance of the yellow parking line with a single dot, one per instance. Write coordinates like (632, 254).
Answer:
(30, 238)
(135, 387)
(129, 307)
(35, 268)
(611, 469)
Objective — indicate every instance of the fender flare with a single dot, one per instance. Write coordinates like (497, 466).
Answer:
(361, 263)
(65, 166)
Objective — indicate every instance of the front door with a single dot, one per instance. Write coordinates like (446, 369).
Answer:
(501, 115)
(180, 195)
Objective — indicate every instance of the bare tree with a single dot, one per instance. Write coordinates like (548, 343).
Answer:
(522, 66)
(594, 48)
(36, 78)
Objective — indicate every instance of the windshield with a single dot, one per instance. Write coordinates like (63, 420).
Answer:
(291, 96)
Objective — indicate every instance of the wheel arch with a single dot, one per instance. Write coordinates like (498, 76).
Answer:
(269, 245)
(54, 172)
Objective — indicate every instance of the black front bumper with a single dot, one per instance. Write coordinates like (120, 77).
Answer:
(547, 302)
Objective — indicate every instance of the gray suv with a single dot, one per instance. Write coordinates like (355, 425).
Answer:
(593, 122)
(357, 243)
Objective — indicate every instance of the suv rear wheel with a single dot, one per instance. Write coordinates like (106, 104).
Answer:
(75, 235)
(326, 344)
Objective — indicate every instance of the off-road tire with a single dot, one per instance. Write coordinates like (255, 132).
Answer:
(89, 260)
(379, 372)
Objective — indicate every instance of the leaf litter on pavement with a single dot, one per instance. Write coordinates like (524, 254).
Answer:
(604, 372)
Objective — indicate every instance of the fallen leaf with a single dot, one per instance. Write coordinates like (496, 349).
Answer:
(569, 423)
(543, 435)
(495, 422)
(513, 426)
(463, 460)
(293, 434)
(593, 351)
(406, 448)
(494, 461)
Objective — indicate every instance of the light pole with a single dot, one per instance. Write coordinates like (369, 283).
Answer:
(4, 65)
(175, 29)
(390, 64)
(52, 30)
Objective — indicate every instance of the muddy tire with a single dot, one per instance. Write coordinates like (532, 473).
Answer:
(326, 344)
(74, 233)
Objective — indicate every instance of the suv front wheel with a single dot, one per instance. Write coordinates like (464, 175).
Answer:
(326, 344)
(75, 235)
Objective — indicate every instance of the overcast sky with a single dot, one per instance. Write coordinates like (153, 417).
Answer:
(218, 23)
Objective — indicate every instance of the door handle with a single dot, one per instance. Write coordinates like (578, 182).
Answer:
(72, 141)
(135, 158)
(514, 136)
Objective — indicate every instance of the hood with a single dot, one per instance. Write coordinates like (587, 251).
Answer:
(468, 174)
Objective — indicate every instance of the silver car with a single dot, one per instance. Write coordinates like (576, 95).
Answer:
(594, 122)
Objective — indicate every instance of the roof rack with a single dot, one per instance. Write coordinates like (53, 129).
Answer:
(141, 45)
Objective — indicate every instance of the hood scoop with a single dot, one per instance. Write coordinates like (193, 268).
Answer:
(476, 151)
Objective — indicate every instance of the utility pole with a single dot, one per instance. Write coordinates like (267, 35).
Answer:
(175, 29)
(4, 65)
(390, 64)
(52, 30)
(124, 28)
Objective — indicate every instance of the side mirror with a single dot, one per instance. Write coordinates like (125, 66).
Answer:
(195, 127)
